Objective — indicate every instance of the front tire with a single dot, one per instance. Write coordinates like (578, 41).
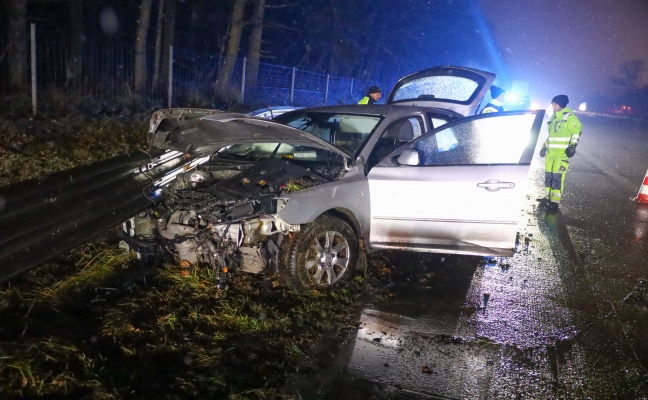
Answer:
(321, 256)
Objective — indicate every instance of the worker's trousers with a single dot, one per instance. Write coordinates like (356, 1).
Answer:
(555, 171)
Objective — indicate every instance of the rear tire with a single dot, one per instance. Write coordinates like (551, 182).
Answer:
(321, 256)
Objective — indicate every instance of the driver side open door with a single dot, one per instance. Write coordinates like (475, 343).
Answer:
(458, 189)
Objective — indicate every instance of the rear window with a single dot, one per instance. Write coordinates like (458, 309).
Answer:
(455, 88)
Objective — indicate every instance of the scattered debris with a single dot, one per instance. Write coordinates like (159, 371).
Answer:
(426, 370)
(638, 295)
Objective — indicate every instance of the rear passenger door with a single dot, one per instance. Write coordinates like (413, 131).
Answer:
(461, 190)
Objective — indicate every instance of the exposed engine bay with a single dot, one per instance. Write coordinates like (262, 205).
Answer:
(222, 214)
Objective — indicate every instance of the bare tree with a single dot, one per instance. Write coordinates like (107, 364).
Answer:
(168, 38)
(254, 51)
(17, 51)
(140, 45)
(630, 73)
(233, 43)
(158, 45)
(77, 37)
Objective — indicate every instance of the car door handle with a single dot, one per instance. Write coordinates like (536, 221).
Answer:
(493, 185)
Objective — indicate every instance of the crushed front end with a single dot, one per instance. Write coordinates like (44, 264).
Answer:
(222, 214)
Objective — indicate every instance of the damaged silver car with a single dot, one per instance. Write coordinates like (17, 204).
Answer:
(306, 194)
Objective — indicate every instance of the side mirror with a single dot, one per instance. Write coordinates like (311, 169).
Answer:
(409, 157)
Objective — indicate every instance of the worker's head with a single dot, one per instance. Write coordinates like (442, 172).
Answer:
(559, 102)
(374, 92)
(497, 92)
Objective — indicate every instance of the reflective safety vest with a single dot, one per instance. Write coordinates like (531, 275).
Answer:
(493, 106)
(564, 131)
(366, 100)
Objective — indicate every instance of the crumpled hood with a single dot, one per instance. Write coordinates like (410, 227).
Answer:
(201, 131)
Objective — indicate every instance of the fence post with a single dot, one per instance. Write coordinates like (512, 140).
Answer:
(243, 70)
(170, 88)
(292, 86)
(33, 66)
(328, 76)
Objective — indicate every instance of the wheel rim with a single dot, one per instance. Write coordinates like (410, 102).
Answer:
(327, 258)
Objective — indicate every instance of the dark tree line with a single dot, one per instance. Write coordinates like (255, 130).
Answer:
(632, 97)
(366, 39)
(80, 19)
(378, 40)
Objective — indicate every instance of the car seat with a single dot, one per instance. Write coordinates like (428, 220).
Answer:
(396, 135)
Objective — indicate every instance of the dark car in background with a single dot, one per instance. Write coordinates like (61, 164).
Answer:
(271, 112)
(305, 194)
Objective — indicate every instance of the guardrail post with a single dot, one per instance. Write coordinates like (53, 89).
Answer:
(328, 76)
(243, 71)
(33, 67)
(170, 89)
(292, 87)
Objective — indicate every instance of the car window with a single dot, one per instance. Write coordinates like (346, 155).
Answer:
(446, 140)
(417, 126)
(397, 134)
(348, 132)
(478, 141)
(437, 122)
(404, 130)
(456, 88)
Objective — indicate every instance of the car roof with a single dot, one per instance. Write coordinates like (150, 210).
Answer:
(379, 110)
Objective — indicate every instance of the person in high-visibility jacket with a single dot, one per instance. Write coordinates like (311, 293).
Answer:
(497, 101)
(564, 133)
(373, 95)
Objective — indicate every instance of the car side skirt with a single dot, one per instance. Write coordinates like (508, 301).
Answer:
(460, 250)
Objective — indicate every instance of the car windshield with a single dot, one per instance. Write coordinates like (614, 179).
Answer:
(346, 131)
(324, 162)
(261, 151)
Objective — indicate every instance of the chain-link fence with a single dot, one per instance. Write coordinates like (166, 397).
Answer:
(105, 71)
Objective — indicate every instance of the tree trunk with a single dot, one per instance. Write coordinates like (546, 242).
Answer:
(254, 52)
(140, 45)
(233, 42)
(17, 51)
(168, 39)
(158, 46)
(92, 32)
(77, 35)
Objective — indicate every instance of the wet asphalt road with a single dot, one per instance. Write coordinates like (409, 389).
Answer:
(565, 318)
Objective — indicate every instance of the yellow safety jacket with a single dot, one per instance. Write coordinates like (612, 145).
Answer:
(366, 100)
(564, 131)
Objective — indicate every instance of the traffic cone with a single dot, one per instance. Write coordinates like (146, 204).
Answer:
(642, 196)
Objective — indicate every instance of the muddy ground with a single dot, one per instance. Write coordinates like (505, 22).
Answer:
(96, 324)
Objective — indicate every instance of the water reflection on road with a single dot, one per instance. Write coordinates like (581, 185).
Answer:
(409, 343)
(478, 328)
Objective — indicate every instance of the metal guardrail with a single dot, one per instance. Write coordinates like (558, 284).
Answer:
(40, 219)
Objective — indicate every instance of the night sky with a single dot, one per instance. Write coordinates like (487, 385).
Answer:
(567, 46)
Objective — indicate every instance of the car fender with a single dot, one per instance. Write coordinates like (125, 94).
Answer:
(348, 196)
